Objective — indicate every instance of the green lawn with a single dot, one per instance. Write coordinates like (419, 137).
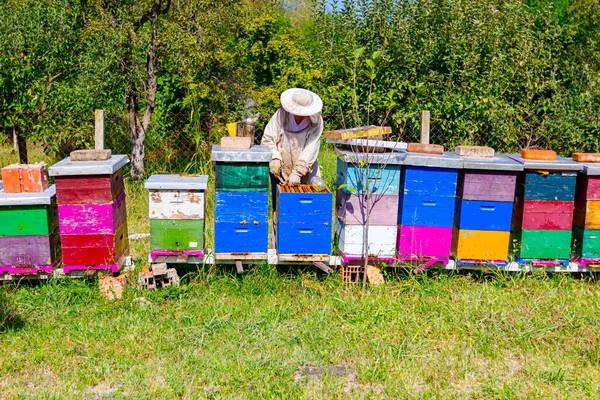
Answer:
(278, 333)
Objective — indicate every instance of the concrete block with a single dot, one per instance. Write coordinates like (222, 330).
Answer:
(34, 178)
(475, 151)
(531, 154)
(425, 148)
(11, 178)
(234, 142)
(91, 155)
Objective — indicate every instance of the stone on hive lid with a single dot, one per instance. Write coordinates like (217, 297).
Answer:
(236, 142)
(425, 148)
(475, 151)
(586, 157)
(532, 154)
(90, 155)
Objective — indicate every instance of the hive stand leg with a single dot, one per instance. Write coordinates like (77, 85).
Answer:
(322, 267)
(239, 267)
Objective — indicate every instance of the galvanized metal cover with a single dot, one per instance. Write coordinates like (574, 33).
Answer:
(46, 197)
(177, 182)
(500, 162)
(254, 154)
(445, 160)
(561, 164)
(392, 158)
(67, 167)
(591, 168)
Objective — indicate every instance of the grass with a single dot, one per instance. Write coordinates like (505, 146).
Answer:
(279, 333)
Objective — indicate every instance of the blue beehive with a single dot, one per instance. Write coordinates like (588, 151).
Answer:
(303, 221)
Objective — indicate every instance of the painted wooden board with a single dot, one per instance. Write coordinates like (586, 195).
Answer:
(487, 186)
(303, 238)
(484, 215)
(92, 219)
(587, 215)
(168, 234)
(241, 238)
(381, 180)
(89, 189)
(557, 186)
(424, 181)
(543, 244)
(351, 209)
(588, 187)
(426, 210)
(242, 207)
(28, 220)
(481, 245)
(424, 241)
(29, 250)
(95, 249)
(176, 204)
(547, 215)
(382, 239)
(242, 177)
(305, 207)
(359, 132)
(586, 243)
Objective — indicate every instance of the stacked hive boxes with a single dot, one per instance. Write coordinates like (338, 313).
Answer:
(242, 199)
(586, 221)
(543, 217)
(176, 212)
(92, 217)
(426, 210)
(486, 192)
(28, 232)
(383, 176)
(303, 220)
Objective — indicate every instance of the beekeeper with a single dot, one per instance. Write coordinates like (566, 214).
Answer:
(293, 135)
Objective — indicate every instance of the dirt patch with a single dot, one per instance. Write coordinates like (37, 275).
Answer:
(313, 377)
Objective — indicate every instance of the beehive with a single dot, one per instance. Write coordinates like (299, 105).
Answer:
(92, 215)
(426, 206)
(176, 212)
(586, 221)
(544, 205)
(241, 199)
(303, 220)
(486, 192)
(29, 242)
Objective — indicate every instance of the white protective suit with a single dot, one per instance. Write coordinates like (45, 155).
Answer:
(298, 151)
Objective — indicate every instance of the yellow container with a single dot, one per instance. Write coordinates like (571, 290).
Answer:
(232, 128)
(482, 245)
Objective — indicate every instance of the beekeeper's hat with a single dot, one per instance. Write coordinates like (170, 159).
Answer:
(301, 102)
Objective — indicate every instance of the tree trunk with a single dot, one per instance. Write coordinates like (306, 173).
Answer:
(22, 146)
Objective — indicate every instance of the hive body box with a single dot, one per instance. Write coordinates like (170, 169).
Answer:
(586, 221)
(176, 212)
(303, 221)
(92, 216)
(241, 201)
(381, 180)
(543, 213)
(29, 241)
(426, 207)
(485, 198)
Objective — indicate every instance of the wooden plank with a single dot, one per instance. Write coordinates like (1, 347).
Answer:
(304, 207)
(586, 157)
(547, 215)
(351, 209)
(487, 186)
(424, 241)
(475, 151)
(425, 148)
(479, 215)
(382, 239)
(532, 154)
(176, 234)
(90, 155)
(95, 249)
(242, 207)
(239, 267)
(240, 256)
(176, 204)
(27, 220)
(241, 238)
(29, 250)
(89, 189)
(323, 267)
(380, 180)
(11, 178)
(544, 244)
(90, 219)
(98, 130)
(427, 210)
(482, 245)
(359, 132)
(425, 122)
(304, 238)
(242, 176)
(552, 186)
(588, 217)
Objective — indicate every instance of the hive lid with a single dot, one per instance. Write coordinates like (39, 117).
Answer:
(499, 162)
(445, 160)
(393, 158)
(591, 168)
(46, 197)
(67, 167)
(177, 182)
(561, 164)
(253, 154)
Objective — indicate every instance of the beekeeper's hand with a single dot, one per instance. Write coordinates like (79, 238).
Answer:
(275, 168)
(294, 179)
